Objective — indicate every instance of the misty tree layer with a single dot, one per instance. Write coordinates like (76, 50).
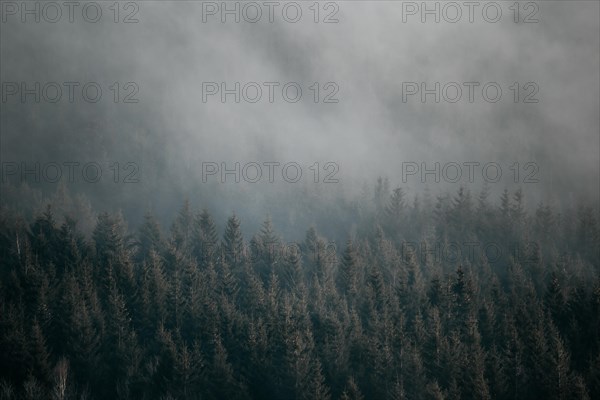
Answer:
(399, 310)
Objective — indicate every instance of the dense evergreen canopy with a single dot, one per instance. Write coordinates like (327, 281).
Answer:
(457, 298)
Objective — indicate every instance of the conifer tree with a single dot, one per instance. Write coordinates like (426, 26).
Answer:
(181, 230)
(205, 239)
(349, 270)
(150, 239)
(233, 244)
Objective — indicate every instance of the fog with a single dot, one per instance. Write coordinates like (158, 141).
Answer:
(364, 61)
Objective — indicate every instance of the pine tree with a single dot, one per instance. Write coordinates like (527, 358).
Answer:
(39, 355)
(555, 302)
(382, 193)
(299, 349)
(109, 240)
(150, 239)
(120, 347)
(375, 282)
(460, 215)
(394, 212)
(189, 372)
(205, 241)
(317, 388)
(559, 378)
(314, 249)
(233, 243)
(181, 230)
(349, 270)
(462, 305)
(158, 286)
(517, 210)
(70, 247)
(267, 250)
(435, 345)
(112, 255)
(222, 377)
(351, 391)
(83, 337)
(293, 276)
(44, 236)
(441, 217)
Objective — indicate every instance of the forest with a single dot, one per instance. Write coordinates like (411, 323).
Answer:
(460, 296)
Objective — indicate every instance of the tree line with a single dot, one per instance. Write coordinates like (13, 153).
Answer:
(192, 313)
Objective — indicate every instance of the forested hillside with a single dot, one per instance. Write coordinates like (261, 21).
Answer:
(299, 200)
(458, 297)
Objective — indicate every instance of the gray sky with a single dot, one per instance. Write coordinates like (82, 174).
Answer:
(368, 55)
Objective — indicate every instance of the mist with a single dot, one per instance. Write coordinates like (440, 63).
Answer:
(300, 200)
(177, 131)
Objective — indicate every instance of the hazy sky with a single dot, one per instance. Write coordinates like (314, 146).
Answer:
(368, 57)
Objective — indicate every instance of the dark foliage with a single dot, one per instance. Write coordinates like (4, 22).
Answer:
(451, 299)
